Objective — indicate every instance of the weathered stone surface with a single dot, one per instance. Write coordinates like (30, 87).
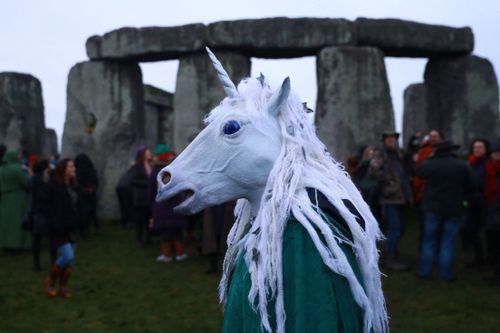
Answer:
(94, 47)
(22, 123)
(278, 37)
(158, 111)
(401, 38)
(281, 37)
(415, 106)
(148, 44)
(107, 97)
(354, 104)
(50, 143)
(462, 98)
(198, 91)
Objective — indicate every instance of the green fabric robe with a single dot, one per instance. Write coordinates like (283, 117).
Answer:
(316, 299)
(14, 203)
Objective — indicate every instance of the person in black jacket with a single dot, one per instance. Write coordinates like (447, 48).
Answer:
(140, 173)
(39, 191)
(87, 183)
(62, 221)
(448, 181)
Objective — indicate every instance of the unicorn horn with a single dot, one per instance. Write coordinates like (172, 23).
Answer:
(227, 84)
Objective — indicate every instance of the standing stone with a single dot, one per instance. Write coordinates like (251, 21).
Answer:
(354, 104)
(22, 122)
(50, 144)
(198, 91)
(462, 98)
(415, 106)
(105, 120)
(158, 112)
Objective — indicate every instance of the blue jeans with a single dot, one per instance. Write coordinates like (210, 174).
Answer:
(449, 231)
(66, 255)
(394, 227)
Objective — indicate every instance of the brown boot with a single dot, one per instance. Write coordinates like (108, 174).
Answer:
(50, 281)
(180, 251)
(63, 282)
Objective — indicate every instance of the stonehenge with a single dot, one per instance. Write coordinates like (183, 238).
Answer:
(414, 110)
(354, 106)
(105, 120)
(110, 112)
(22, 120)
(198, 91)
(462, 98)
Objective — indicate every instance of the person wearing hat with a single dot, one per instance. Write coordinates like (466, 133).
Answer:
(395, 192)
(164, 220)
(492, 209)
(448, 180)
(140, 173)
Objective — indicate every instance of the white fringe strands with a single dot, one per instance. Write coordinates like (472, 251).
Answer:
(303, 163)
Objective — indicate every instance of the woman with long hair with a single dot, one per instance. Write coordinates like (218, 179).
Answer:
(63, 220)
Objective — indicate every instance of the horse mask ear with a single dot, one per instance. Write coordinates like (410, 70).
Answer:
(279, 98)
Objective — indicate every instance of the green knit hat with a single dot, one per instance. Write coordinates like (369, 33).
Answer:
(162, 149)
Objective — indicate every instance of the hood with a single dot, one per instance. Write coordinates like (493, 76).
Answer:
(11, 156)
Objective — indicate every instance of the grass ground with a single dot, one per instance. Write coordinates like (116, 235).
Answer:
(119, 287)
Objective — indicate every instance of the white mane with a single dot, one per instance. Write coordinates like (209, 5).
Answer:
(303, 163)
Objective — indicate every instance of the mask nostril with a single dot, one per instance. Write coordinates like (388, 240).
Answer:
(165, 177)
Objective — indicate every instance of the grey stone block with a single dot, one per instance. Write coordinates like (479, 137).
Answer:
(104, 119)
(400, 38)
(462, 98)
(198, 91)
(158, 111)
(415, 106)
(354, 104)
(148, 44)
(281, 37)
(22, 122)
(50, 143)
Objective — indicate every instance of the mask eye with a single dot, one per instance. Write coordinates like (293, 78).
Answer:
(231, 127)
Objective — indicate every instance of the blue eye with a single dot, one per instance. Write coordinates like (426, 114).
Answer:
(231, 127)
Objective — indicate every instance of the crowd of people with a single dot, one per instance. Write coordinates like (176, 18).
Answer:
(48, 198)
(55, 202)
(455, 197)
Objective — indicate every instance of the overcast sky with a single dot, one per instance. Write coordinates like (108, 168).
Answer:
(46, 38)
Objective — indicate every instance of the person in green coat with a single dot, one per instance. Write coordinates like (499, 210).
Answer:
(14, 203)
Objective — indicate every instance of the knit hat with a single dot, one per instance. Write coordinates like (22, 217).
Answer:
(162, 149)
(163, 152)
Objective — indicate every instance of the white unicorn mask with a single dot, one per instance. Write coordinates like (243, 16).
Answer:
(260, 146)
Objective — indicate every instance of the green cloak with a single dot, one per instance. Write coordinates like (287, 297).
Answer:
(14, 203)
(316, 299)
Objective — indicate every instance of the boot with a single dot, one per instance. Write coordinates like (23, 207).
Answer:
(50, 281)
(63, 282)
(166, 253)
(180, 251)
